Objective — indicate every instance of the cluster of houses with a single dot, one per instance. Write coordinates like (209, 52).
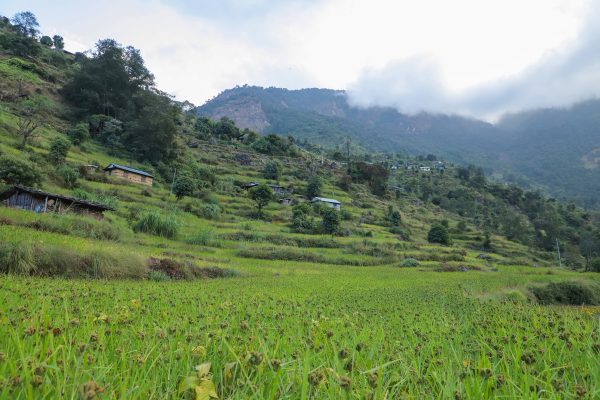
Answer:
(31, 199)
(430, 166)
(285, 199)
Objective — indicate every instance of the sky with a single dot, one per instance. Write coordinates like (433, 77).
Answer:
(479, 58)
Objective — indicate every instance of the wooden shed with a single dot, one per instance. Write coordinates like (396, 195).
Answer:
(26, 198)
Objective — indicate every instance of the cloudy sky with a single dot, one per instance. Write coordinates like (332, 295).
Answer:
(472, 57)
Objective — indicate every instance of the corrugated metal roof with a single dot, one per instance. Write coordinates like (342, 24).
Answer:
(128, 169)
(326, 200)
(10, 191)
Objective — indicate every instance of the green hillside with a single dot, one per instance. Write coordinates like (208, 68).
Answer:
(548, 149)
(430, 281)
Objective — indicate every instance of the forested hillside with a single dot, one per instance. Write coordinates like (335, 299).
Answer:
(549, 149)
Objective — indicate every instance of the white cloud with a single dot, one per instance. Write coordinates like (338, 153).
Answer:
(432, 54)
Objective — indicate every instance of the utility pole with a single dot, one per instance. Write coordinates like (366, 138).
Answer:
(173, 181)
(558, 252)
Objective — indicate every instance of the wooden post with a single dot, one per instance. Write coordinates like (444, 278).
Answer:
(46, 204)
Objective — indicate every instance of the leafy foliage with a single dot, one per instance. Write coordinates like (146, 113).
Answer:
(439, 234)
(16, 171)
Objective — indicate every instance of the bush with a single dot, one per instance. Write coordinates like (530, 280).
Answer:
(69, 176)
(184, 185)
(313, 189)
(272, 170)
(211, 211)
(59, 148)
(155, 223)
(205, 238)
(409, 262)
(158, 276)
(439, 234)
(393, 216)
(16, 258)
(331, 221)
(79, 133)
(572, 293)
(14, 171)
(301, 220)
(76, 226)
(25, 259)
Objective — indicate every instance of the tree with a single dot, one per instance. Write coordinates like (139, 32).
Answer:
(14, 171)
(595, 265)
(151, 135)
(108, 81)
(46, 41)
(59, 148)
(301, 220)
(313, 189)
(32, 113)
(58, 41)
(439, 234)
(272, 170)
(262, 195)
(393, 216)
(331, 221)
(589, 246)
(184, 186)
(79, 133)
(26, 23)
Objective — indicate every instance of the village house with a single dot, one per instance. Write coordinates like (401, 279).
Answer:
(278, 190)
(26, 198)
(336, 205)
(130, 174)
(425, 169)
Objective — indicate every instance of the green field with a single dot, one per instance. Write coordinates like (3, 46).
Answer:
(297, 331)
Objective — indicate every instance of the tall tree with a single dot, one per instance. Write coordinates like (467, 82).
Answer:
(26, 23)
(32, 113)
(59, 42)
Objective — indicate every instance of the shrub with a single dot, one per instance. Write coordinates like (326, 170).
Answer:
(346, 215)
(16, 258)
(79, 133)
(570, 292)
(409, 262)
(155, 223)
(211, 211)
(205, 238)
(301, 220)
(69, 176)
(158, 276)
(59, 148)
(313, 189)
(393, 216)
(15, 171)
(184, 185)
(331, 221)
(439, 234)
(272, 170)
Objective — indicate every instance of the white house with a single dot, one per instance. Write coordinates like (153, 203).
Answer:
(425, 169)
(336, 205)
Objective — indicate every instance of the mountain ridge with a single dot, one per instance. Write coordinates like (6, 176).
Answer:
(507, 149)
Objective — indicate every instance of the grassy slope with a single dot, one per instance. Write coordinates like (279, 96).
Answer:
(421, 333)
